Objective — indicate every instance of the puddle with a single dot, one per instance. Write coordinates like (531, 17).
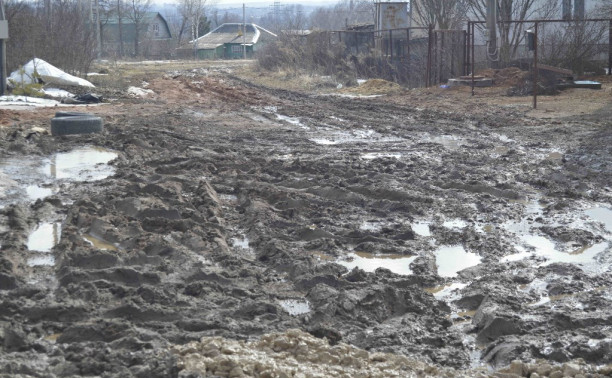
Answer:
(354, 136)
(421, 228)
(324, 142)
(536, 245)
(501, 150)
(44, 237)
(555, 156)
(295, 307)
(370, 226)
(455, 224)
(398, 264)
(47, 260)
(450, 142)
(601, 214)
(376, 155)
(82, 164)
(99, 243)
(453, 259)
(29, 178)
(35, 192)
(292, 120)
(446, 292)
(241, 242)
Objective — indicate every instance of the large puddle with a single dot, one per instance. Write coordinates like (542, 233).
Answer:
(44, 237)
(82, 164)
(398, 264)
(453, 259)
(533, 245)
(29, 178)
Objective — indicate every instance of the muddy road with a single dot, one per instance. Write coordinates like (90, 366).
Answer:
(463, 238)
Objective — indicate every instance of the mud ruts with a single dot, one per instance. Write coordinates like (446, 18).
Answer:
(188, 181)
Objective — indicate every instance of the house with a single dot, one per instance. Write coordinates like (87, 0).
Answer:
(228, 42)
(154, 37)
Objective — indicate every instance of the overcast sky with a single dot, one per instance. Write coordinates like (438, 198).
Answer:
(222, 3)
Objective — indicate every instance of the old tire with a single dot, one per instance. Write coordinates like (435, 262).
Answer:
(76, 125)
(72, 114)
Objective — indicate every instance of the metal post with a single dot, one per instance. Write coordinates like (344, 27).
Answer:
(408, 47)
(98, 30)
(429, 47)
(3, 36)
(466, 49)
(391, 43)
(244, 54)
(610, 49)
(535, 68)
(473, 57)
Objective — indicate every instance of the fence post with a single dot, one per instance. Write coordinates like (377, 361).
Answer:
(429, 47)
(466, 49)
(473, 57)
(391, 43)
(535, 68)
(610, 49)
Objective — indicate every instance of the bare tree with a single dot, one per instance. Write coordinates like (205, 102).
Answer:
(511, 34)
(443, 14)
(57, 31)
(193, 13)
(136, 12)
(345, 12)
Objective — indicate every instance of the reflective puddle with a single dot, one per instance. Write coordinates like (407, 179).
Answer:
(44, 260)
(44, 237)
(376, 155)
(452, 259)
(99, 243)
(82, 164)
(455, 224)
(292, 120)
(450, 142)
(421, 228)
(295, 307)
(29, 178)
(446, 292)
(601, 214)
(242, 242)
(369, 262)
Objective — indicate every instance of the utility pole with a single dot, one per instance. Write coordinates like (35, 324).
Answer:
(244, 54)
(98, 31)
(3, 37)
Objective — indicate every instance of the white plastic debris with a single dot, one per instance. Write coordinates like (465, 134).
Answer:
(139, 92)
(56, 92)
(48, 73)
(20, 101)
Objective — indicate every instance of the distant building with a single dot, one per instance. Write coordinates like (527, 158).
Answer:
(228, 42)
(154, 37)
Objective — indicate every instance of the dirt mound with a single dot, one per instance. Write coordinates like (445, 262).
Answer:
(506, 77)
(375, 87)
(291, 354)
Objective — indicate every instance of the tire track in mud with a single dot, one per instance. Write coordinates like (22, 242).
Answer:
(184, 188)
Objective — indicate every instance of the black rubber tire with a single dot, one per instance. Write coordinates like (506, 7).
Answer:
(72, 114)
(76, 125)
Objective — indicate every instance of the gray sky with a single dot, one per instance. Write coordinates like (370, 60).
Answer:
(222, 3)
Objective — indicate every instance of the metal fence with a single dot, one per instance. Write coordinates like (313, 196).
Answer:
(421, 57)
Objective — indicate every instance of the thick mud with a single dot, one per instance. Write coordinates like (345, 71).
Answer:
(229, 211)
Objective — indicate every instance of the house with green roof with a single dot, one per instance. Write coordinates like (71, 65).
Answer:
(154, 36)
(228, 41)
